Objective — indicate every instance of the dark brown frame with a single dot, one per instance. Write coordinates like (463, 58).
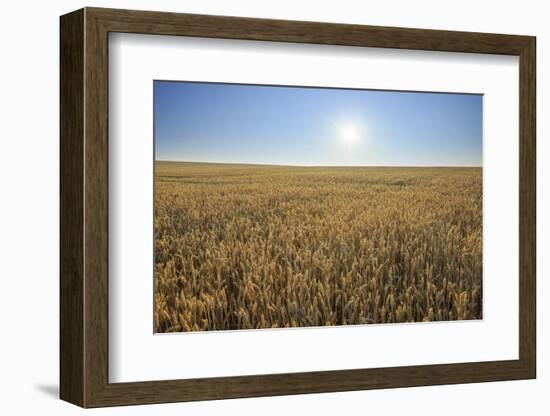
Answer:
(84, 208)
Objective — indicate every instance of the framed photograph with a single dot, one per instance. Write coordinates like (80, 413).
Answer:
(255, 207)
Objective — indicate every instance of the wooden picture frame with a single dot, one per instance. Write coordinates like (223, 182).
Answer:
(84, 207)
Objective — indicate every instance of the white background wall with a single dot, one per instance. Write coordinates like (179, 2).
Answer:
(29, 85)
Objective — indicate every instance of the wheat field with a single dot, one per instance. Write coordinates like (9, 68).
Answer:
(252, 246)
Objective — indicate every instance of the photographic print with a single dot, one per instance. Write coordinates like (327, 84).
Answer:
(290, 206)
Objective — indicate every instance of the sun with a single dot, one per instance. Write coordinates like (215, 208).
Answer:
(349, 134)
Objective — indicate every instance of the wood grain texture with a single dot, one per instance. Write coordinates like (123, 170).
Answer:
(96, 209)
(71, 203)
(162, 23)
(527, 208)
(84, 207)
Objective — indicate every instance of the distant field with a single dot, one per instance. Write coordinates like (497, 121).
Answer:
(252, 246)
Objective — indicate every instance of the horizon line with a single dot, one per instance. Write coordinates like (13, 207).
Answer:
(317, 166)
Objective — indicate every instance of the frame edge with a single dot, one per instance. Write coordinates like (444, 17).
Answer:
(528, 208)
(72, 298)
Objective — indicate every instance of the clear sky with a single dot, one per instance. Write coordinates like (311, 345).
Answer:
(232, 123)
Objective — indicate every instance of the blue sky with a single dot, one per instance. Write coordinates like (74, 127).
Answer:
(233, 123)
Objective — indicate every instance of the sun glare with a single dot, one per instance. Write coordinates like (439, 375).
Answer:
(349, 134)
